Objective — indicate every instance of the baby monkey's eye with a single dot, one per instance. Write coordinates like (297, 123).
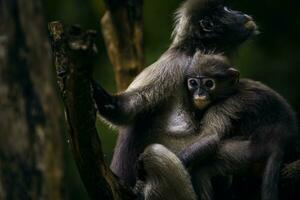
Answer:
(209, 83)
(207, 25)
(193, 82)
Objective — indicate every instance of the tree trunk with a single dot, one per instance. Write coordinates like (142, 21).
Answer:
(30, 116)
(73, 51)
(122, 27)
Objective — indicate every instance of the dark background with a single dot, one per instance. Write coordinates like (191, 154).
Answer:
(272, 57)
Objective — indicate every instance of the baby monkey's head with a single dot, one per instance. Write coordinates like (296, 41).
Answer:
(210, 78)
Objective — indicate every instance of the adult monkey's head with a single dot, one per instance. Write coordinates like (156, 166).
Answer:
(210, 25)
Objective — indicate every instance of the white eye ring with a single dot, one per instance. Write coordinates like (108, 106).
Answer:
(193, 82)
(227, 9)
(212, 84)
(204, 24)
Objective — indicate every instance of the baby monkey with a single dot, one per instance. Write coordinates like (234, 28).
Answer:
(242, 122)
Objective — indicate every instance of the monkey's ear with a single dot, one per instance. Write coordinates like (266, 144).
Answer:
(235, 74)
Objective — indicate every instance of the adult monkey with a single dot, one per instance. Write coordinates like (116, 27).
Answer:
(201, 25)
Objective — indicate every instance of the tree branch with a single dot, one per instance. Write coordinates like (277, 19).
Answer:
(73, 51)
(122, 28)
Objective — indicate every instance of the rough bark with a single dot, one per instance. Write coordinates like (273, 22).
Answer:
(73, 51)
(30, 117)
(122, 27)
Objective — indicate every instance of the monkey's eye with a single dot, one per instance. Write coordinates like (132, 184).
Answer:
(193, 83)
(206, 24)
(209, 83)
(227, 9)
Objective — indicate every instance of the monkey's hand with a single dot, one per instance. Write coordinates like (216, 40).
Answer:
(114, 108)
(108, 105)
(199, 151)
(104, 101)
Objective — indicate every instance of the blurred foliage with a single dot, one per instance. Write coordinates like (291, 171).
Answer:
(272, 57)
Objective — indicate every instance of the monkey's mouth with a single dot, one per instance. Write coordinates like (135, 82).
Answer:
(201, 102)
(252, 27)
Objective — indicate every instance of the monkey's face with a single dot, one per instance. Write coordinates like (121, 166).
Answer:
(209, 79)
(229, 26)
(211, 23)
(200, 88)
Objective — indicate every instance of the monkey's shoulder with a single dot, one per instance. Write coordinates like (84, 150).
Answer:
(257, 100)
(167, 71)
(257, 92)
(252, 101)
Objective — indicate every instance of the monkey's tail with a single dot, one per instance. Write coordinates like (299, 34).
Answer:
(271, 176)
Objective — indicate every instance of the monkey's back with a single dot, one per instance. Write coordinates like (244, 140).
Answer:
(266, 117)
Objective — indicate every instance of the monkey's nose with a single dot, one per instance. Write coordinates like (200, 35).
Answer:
(200, 97)
(200, 93)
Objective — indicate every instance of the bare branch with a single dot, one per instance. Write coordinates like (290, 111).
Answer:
(73, 51)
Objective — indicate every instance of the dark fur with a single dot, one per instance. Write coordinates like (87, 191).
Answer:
(250, 124)
(228, 32)
(140, 111)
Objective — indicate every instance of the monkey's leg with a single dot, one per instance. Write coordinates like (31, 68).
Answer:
(204, 188)
(231, 157)
(234, 156)
(271, 176)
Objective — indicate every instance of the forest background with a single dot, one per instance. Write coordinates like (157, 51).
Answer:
(272, 57)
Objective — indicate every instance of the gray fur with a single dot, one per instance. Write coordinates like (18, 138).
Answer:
(154, 99)
(166, 177)
(251, 123)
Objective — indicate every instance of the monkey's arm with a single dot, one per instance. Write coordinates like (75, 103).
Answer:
(215, 125)
(107, 104)
(154, 85)
(199, 150)
(120, 109)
